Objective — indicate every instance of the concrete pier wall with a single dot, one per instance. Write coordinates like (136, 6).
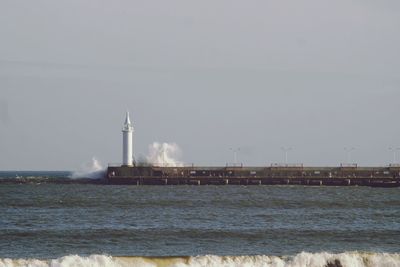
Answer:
(313, 176)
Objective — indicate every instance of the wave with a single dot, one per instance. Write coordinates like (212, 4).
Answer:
(164, 154)
(304, 259)
(90, 170)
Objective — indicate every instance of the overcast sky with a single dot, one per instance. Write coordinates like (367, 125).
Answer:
(314, 75)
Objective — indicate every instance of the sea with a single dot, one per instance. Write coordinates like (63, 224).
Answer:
(52, 219)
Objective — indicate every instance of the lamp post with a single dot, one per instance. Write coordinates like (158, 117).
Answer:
(235, 151)
(348, 151)
(394, 150)
(286, 150)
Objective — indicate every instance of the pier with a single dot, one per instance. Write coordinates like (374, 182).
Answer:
(272, 175)
(130, 173)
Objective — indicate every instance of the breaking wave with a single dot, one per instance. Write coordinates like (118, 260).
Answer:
(164, 154)
(323, 259)
(92, 170)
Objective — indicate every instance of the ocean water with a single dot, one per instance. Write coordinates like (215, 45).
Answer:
(52, 223)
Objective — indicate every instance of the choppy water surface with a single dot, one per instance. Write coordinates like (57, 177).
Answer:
(48, 221)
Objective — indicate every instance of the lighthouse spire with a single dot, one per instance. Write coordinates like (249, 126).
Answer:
(127, 119)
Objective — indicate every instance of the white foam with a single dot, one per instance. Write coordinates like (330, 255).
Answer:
(93, 170)
(78, 261)
(347, 259)
(164, 154)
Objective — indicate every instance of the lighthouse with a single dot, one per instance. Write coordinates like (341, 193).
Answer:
(127, 143)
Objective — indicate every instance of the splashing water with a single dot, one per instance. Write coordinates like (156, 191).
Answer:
(93, 170)
(164, 154)
(323, 259)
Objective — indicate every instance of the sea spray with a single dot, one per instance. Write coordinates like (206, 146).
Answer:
(164, 154)
(93, 170)
(304, 259)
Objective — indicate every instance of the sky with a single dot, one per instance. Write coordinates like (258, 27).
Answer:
(316, 76)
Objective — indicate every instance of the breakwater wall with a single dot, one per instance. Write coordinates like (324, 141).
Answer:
(272, 175)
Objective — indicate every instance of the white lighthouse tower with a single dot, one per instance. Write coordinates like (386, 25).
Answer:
(127, 143)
